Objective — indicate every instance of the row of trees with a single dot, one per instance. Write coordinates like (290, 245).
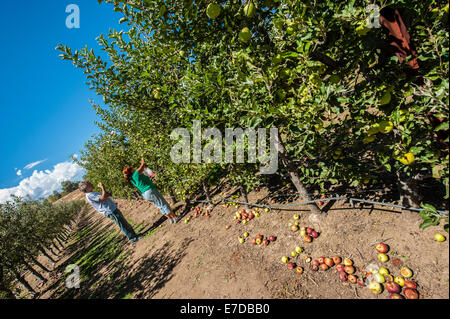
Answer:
(29, 228)
(347, 111)
(66, 188)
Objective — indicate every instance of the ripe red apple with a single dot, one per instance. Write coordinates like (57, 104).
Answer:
(396, 296)
(254, 241)
(314, 234)
(299, 270)
(393, 287)
(290, 265)
(259, 236)
(316, 263)
(340, 267)
(411, 293)
(323, 267)
(265, 242)
(361, 283)
(382, 248)
(272, 238)
(343, 276)
(337, 260)
(352, 278)
(410, 284)
(309, 230)
(321, 260)
(349, 269)
(315, 268)
(329, 262)
(307, 239)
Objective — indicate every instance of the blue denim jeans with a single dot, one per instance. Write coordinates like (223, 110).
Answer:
(126, 228)
(154, 197)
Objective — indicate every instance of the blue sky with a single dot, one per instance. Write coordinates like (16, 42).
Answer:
(46, 114)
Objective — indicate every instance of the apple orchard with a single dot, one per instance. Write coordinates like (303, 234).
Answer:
(347, 110)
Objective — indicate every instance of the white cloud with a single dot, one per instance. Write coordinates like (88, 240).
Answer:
(31, 165)
(43, 183)
(19, 172)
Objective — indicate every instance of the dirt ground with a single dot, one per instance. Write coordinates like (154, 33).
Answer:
(204, 259)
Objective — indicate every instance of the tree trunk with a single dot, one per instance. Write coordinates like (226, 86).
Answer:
(287, 163)
(408, 191)
(205, 189)
(172, 195)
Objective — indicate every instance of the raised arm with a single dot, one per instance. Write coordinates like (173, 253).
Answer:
(105, 194)
(142, 167)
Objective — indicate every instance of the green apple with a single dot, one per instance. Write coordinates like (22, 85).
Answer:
(249, 9)
(245, 35)
(284, 259)
(213, 10)
(383, 257)
(298, 249)
(439, 237)
(386, 98)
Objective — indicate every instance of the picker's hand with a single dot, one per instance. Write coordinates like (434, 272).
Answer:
(100, 185)
(142, 162)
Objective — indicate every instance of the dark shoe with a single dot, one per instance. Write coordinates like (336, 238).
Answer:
(135, 239)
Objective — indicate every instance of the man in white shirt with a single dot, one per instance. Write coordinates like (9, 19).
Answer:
(103, 204)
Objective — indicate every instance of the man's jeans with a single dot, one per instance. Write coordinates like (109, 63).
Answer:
(123, 224)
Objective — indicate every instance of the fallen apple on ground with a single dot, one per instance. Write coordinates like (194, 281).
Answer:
(400, 281)
(323, 267)
(410, 284)
(290, 265)
(396, 296)
(349, 269)
(383, 257)
(348, 262)
(299, 270)
(439, 237)
(307, 239)
(406, 272)
(337, 260)
(353, 279)
(375, 287)
(298, 249)
(393, 287)
(329, 262)
(382, 248)
(411, 293)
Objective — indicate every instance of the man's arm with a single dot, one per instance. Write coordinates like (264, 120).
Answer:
(105, 194)
(142, 167)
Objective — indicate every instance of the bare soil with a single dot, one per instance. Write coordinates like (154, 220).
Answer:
(204, 259)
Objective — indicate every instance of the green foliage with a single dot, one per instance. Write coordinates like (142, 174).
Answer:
(307, 70)
(431, 217)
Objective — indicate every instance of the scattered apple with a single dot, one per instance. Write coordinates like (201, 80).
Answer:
(284, 259)
(393, 287)
(296, 217)
(294, 228)
(375, 287)
(382, 248)
(383, 271)
(411, 293)
(388, 277)
(439, 237)
(383, 257)
(410, 284)
(293, 253)
(337, 260)
(349, 269)
(329, 262)
(323, 267)
(241, 240)
(343, 276)
(340, 268)
(314, 268)
(353, 279)
(290, 265)
(400, 281)
(406, 272)
(361, 283)
(299, 270)
(303, 233)
(245, 234)
(298, 249)
(348, 262)
(314, 234)
(379, 278)
(307, 239)
(309, 230)
(315, 263)
(272, 238)
(254, 241)
(265, 242)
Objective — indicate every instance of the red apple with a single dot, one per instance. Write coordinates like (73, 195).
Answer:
(343, 276)
(314, 234)
(329, 262)
(349, 269)
(290, 265)
(316, 263)
(396, 296)
(411, 293)
(337, 260)
(265, 242)
(352, 278)
(307, 239)
(393, 287)
(315, 268)
(260, 236)
(309, 230)
(299, 270)
(410, 284)
(321, 260)
(272, 238)
(382, 248)
(323, 267)
(361, 283)
(340, 268)
(254, 241)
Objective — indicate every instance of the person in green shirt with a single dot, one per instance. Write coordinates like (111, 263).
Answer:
(149, 190)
